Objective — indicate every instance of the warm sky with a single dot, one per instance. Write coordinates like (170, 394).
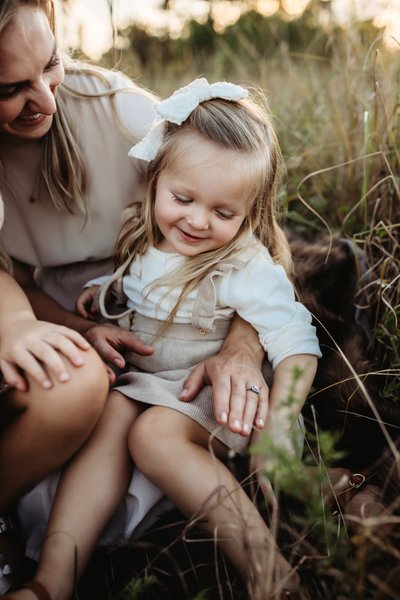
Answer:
(89, 20)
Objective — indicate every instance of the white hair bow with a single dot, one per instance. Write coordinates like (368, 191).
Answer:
(178, 107)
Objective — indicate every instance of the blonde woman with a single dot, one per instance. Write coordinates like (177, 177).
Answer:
(205, 246)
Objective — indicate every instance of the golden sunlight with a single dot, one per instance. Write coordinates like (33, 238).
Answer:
(295, 8)
(225, 13)
(267, 7)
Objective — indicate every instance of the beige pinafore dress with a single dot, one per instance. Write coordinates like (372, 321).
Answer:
(158, 379)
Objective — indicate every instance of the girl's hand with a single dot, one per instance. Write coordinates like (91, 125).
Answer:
(86, 305)
(34, 347)
(109, 340)
(230, 374)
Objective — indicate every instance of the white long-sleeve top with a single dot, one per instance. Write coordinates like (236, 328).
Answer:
(259, 292)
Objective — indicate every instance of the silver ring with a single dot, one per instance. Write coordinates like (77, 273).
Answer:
(253, 388)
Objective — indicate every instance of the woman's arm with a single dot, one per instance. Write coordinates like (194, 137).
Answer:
(230, 372)
(109, 340)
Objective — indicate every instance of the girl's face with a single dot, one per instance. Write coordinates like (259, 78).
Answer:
(30, 72)
(201, 200)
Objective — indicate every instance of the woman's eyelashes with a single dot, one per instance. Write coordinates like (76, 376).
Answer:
(54, 62)
(10, 91)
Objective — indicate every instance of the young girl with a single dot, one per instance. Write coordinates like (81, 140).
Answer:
(206, 246)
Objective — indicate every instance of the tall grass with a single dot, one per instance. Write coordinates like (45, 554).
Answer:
(336, 104)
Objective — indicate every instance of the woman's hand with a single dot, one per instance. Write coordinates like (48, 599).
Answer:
(110, 340)
(231, 372)
(36, 348)
(86, 305)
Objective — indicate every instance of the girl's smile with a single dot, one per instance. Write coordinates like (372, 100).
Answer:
(201, 200)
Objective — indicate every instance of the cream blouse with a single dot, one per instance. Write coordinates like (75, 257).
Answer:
(68, 251)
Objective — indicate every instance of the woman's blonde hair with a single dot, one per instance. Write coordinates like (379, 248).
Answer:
(244, 126)
(5, 263)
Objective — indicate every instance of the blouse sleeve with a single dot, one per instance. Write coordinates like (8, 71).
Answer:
(262, 295)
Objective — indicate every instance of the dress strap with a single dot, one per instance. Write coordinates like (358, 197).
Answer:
(116, 277)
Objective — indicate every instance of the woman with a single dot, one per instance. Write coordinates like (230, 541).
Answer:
(66, 178)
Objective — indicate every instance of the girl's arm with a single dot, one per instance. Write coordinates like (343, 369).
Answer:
(293, 378)
(109, 340)
(31, 346)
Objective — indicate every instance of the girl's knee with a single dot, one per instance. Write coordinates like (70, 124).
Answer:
(149, 438)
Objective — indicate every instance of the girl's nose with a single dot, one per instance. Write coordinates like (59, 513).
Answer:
(42, 99)
(198, 218)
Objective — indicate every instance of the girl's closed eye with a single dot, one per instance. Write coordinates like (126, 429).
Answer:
(223, 214)
(182, 199)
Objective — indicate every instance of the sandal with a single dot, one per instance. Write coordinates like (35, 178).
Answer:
(36, 588)
(11, 553)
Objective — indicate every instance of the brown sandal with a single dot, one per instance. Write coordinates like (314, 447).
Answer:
(37, 588)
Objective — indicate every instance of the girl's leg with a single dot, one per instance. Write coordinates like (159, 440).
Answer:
(41, 429)
(89, 491)
(172, 451)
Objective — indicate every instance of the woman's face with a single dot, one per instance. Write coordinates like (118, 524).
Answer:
(30, 72)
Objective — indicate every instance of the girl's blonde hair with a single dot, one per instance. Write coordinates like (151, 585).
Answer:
(244, 126)
(62, 171)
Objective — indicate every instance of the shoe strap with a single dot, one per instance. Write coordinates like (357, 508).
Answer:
(38, 589)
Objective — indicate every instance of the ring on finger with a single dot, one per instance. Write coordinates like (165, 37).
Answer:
(252, 387)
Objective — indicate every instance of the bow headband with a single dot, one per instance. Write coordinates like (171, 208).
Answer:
(178, 107)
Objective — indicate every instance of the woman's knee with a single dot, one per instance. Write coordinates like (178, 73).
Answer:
(72, 407)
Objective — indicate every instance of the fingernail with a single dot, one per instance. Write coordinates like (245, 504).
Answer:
(78, 360)
(46, 383)
(223, 417)
(236, 424)
(246, 428)
(63, 376)
(118, 362)
(260, 423)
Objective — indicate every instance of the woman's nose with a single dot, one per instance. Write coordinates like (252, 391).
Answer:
(42, 98)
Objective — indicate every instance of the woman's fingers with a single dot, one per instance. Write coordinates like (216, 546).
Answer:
(234, 405)
(255, 409)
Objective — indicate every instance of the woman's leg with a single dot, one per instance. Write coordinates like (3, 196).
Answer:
(41, 429)
(172, 451)
(89, 491)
